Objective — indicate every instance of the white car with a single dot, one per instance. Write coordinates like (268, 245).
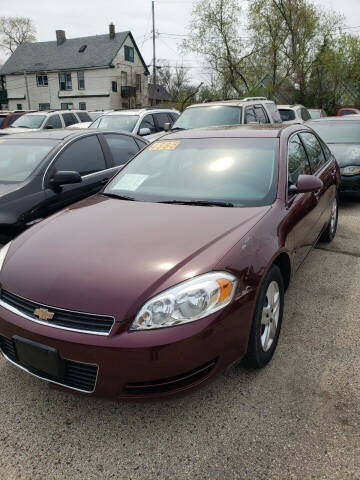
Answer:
(294, 113)
(32, 122)
(143, 122)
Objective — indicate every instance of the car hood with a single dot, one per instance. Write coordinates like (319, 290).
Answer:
(11, 130)
(346, 154)
(108, 256)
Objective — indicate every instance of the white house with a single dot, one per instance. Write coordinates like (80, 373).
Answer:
(89, 73)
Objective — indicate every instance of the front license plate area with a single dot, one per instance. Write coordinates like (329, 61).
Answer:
(39, 358)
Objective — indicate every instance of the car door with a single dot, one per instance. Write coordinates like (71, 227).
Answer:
(86, 156)
(122, 148)
(301, 206)
(324, 168)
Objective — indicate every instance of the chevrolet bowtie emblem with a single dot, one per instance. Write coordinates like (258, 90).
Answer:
(43, 314)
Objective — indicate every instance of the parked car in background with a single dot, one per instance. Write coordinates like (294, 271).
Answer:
(42, 172)
(347, 111)
(46, 120)
(226, 112)
(141, 122)
(8, 118)
(163, 314)
(342, 135)
(317, 112)
(294, 113)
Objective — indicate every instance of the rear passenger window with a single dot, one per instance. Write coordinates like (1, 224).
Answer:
(84, 116)
(122, 147)
(69, 119)
(314, 150)
(274, 111)
(260, 114)
(298, 163)
(84, 156)
(249, 115)
(53, 122)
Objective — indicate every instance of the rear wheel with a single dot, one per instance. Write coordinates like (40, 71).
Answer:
(330, 231)
(265, 329)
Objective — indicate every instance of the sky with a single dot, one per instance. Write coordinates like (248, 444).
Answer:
(90, 17)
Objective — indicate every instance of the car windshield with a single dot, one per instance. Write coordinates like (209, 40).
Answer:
(286, 114)
(315, 113)
(29, 121)
(236, 171)
(95, 115)
(116, 122)
(20, 157)
(337, 132)
(196, 117)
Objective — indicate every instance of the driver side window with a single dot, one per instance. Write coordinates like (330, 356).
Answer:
(148, 122)
(84, 156)
(53, 122)
(298, 163)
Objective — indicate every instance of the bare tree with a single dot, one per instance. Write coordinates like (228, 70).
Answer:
(14, 31)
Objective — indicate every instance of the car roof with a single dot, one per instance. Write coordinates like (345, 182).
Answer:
(233, 131)
(140, 111)
(345, 118)
(47, 112)
(234, 102)
(63, 133)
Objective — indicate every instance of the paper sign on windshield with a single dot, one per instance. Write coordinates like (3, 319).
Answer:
(130, 181)
(164, 145)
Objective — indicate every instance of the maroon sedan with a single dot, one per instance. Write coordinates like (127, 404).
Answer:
(176, 270)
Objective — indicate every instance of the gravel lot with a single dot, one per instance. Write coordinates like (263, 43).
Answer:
(299, 418)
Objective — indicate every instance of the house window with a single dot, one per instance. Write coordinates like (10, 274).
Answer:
(65, 81)
(129, 53)
(123, 78)
(42, 80)
(81, 80)
(114, 86)
(67, 106)
(44, 106)
(138, 82)
(82, 106)
(19, 106)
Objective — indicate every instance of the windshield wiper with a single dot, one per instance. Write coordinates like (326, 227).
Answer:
(19, 126)
(201, 203)
(119, 197)
(177, 129)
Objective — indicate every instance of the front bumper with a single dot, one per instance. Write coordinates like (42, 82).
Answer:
(139, 364)
(350, 185)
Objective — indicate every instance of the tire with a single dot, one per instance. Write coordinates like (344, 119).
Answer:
(330, 232)
(260, 351)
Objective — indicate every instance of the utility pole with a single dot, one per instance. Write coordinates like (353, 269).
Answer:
(154, 52)
(27, 90)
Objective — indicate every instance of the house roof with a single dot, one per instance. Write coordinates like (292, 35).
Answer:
(158, 92)
(49, 56)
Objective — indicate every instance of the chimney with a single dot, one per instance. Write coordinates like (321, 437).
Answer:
(112, 31)
(60, 37)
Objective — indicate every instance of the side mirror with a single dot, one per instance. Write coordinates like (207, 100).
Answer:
(144, 131)
(306, 183)
(167, 127)
(65, 178)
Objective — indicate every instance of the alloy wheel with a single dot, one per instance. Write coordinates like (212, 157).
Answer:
(270, 316)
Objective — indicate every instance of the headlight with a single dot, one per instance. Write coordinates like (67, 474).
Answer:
(3, 252)
(187, 302)
(349, 171)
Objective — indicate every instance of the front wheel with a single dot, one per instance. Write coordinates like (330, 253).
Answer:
(330, 232)
(265, 329)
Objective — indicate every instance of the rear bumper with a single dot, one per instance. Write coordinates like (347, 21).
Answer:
(350, 185)
(142, 364)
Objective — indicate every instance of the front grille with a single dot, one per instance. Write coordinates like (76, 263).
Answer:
(83, 322)
(80, 376)
(172, 383)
